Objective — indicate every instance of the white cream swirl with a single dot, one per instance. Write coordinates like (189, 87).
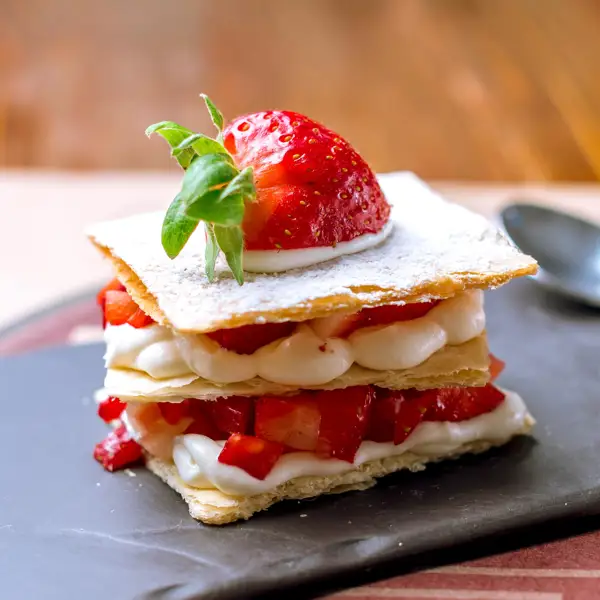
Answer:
(150, 349)
(303, 358)
(276, 261)
(196, 456)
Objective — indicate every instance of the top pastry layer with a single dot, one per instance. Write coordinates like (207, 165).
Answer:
(435, 250)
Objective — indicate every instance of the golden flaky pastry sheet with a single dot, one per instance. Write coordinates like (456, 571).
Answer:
(435, 249)
(215, 508)
(464, 365)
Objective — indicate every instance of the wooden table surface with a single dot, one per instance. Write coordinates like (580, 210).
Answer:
(451, 89)
(44, 256)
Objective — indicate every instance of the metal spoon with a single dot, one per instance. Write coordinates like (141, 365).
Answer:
(567, 249)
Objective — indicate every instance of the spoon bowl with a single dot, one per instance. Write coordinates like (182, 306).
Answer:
(567, 249)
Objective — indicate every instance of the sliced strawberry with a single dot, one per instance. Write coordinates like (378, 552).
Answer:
(461, 404)
(114, 285)
(110, 409)
(231, 415)
(118, 450)
(313, 188)
(255, 456)
(291, 421)
(140, 319)
(344, 325)
(249, 338)
(496, 367)
(344, 420)
(119, 307)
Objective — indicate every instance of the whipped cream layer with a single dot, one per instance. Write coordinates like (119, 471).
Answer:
(303, 358)
(277, 261)
(196, 456)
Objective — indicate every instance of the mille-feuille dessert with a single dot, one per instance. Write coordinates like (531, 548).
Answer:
(355, 347)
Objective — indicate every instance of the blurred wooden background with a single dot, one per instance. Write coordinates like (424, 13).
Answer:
(462, 89)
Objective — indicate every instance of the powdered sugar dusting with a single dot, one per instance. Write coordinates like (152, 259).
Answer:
(433, 242)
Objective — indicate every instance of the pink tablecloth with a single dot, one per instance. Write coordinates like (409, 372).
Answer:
(567, 569)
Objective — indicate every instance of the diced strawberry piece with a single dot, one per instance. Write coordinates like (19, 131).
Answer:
(118, 307)
(140, 319)
(411, 412)
(110, 409)
(336, 325)
(114, 285)
(202, 424)
(394, 313)
(231, 415)
(384, 412)
(118, 450)
(291, 421)
(255, 456)
(249, 338)
(173, 412)
(343, 325)
(496, 367)
(461, 404)
(344, 420)
(156, 435)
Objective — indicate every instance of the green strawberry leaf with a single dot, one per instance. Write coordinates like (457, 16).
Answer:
(241, 185)
(201, 144)
(213, 190)
(231, 242)
(202, 191)
(215, 113)
(174, 134)
(177, 228)
(211, 252)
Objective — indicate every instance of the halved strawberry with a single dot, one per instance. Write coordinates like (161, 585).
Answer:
(496, 367)
(231, 415)
(110, 409)
(119, 307)
(344, 325)
(118, 450)
(344, 420)
(255, 456)
(460, 404)
(312, 187)
(249, 338)
(292, 421)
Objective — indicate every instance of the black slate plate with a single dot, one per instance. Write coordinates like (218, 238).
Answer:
(70, 530)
